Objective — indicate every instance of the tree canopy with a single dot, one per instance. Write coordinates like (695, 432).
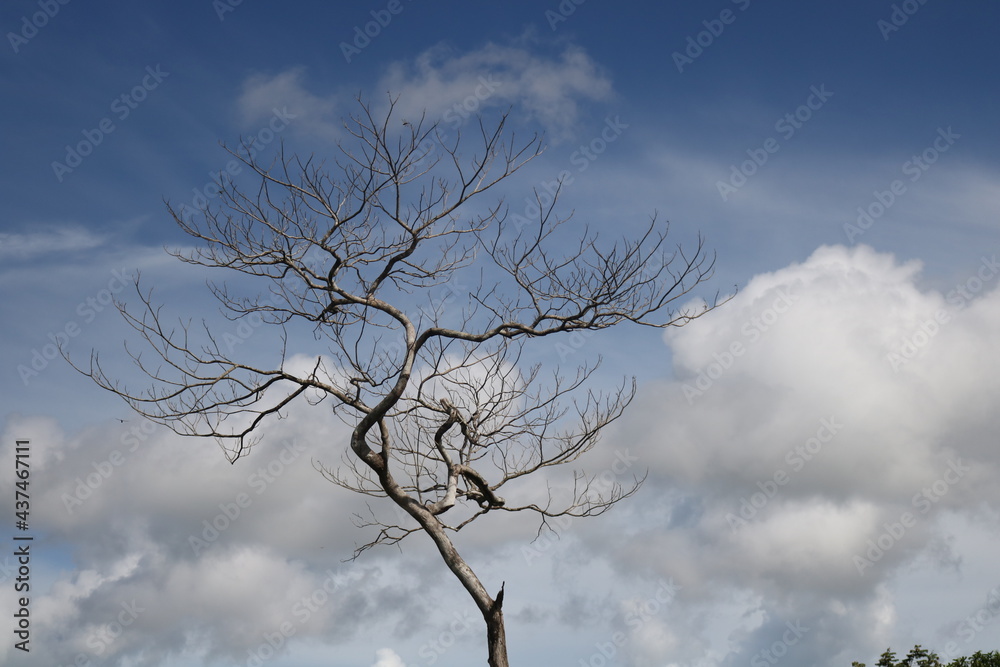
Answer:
(921, 657)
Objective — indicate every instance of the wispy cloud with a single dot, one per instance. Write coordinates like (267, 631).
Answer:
(549, 89)
(262, 93)
(49, 240)
(448, 86)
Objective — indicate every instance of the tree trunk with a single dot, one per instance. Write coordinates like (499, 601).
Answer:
(492, 610)
(496, 635)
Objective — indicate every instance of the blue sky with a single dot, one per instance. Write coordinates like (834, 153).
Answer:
(840, 158)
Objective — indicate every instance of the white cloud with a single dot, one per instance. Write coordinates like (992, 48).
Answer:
(550, 90)
(450, 87)
(263, 93)
(816, 341)
(136, 502)
(810, 392)
(49, 239)
(793, 439)
(386, 657)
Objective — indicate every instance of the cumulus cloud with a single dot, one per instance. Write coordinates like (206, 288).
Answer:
(386, 657)
(823, 431)
(828, 431)
(178, 553)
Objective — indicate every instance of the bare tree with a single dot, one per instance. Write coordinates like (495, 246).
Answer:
(444, 407)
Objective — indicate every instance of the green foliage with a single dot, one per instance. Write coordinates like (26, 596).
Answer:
(887, 659)
(920, 657)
